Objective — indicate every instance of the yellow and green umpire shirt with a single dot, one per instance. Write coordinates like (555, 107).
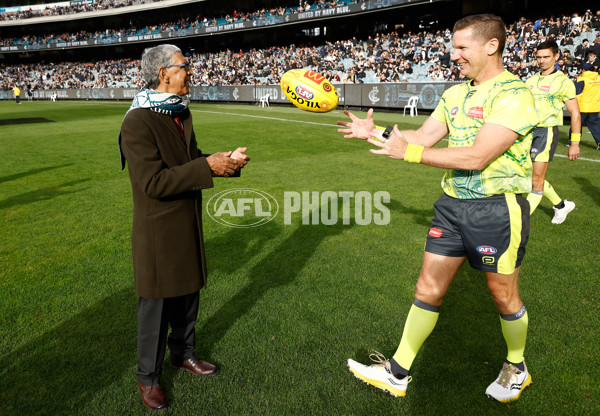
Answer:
(503, 100)
(550, 94)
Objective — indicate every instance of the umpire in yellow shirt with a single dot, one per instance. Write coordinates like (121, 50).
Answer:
(17, 92)
(481, 217)
(552, 91)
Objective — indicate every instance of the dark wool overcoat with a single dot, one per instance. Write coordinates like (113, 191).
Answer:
(167, 172)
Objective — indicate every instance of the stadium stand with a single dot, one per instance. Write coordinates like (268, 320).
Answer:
(65, 8)
(383, 57)
(175, 28)
(56, 9)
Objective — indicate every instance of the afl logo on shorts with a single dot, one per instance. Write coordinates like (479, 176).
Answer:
(454, 111)
(487, 250)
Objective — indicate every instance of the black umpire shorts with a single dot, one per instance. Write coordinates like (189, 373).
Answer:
(545, 141)
(491, 232)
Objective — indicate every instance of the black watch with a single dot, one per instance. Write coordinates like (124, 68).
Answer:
(386, 133)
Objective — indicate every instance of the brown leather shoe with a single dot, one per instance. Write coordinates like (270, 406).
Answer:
(153, 397)
(196, 367)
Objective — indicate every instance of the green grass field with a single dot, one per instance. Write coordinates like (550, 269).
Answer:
(286, 305)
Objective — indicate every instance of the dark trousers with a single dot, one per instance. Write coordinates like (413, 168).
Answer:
(592, 122)
(154, 316)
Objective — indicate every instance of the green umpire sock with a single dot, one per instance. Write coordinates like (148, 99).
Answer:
(551, 194)
(420, 321)
(514, 329)
(534, 199)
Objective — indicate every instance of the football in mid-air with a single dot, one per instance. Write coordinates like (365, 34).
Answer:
(309, 90)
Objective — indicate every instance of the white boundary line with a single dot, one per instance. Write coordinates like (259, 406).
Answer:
(264, 117)
(330, 125)
(579, 158)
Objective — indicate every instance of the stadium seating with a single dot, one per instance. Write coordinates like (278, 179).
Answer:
(340, 57)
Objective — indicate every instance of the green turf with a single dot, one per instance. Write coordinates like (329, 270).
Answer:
(286, 305)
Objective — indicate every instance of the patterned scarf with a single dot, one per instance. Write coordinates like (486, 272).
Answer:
(160, 102)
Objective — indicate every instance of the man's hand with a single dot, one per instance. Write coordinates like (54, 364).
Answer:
(394, 147)
(358, 128)
(574, 150)
(240, 155)
(221, 164)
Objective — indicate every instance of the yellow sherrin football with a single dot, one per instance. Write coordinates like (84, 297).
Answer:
(309, 90)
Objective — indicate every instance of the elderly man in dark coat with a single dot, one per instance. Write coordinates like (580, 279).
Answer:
(168, 172)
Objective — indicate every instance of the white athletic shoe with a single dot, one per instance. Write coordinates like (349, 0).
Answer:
(560, 214)
(510, 384)
(380, 375)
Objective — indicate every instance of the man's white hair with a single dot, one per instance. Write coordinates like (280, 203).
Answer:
(155, 58)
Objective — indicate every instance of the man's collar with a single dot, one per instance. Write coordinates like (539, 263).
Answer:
(549, 73)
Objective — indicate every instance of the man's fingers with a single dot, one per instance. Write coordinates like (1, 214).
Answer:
(375, 142)
(376, 134)
(349, 114)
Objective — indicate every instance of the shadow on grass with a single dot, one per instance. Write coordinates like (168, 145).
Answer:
(31, 172)
(63, 369)
(462, 356)
(546, 210)
(590, 189)
(41, 194)
(30, 120)
(589, 144)
(230, 252)
(279, 268)
(464, 353)
(420, 216)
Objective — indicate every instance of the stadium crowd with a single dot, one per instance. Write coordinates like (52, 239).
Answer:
(389, 57)
(235, 16)
(180, 27)
(199, 21)
(58, 10)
